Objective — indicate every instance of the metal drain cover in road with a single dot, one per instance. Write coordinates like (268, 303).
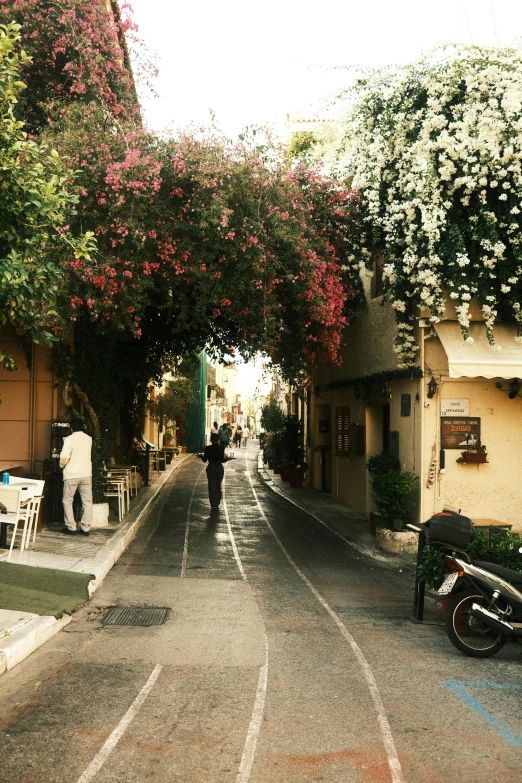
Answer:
(136, 615)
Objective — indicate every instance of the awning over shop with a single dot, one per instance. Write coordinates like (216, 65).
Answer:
(479, 358)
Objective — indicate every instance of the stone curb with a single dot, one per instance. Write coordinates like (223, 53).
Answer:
(31, 635)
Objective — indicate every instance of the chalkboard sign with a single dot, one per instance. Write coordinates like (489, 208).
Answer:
(459, 432)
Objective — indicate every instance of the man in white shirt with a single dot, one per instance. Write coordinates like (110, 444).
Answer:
(75, 459)
(246, 434)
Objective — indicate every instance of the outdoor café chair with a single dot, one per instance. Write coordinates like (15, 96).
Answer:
(10, 498)
(115, 489)
(30, 517)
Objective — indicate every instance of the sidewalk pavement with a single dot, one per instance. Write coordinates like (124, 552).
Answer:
(21, 633)
(340, 519)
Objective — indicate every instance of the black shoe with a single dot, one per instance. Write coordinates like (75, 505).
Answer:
(69, 532)
(83, 532)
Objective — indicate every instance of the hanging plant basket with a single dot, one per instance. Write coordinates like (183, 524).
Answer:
(474, 456)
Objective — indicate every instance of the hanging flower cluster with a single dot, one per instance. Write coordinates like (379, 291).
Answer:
(77, 51)
(231, 245)
(437, 151)
(201, 241)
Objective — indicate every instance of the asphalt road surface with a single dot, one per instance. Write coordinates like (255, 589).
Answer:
(287, 658)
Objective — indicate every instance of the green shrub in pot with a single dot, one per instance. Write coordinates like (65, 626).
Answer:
(395, 495)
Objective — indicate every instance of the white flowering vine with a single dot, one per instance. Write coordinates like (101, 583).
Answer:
(437, 153)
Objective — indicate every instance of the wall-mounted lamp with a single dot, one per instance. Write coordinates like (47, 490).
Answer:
(513, 388)
(432, 388)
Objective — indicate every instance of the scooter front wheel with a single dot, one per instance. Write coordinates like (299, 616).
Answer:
(468, 633)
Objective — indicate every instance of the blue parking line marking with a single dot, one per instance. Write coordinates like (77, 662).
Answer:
(460, 689)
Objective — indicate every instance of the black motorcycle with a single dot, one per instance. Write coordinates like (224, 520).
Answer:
(485, 607)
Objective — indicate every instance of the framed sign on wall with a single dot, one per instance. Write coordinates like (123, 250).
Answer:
(459, 432)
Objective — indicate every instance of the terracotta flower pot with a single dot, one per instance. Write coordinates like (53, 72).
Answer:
(474, 456)
(296, 477)
(283, 472)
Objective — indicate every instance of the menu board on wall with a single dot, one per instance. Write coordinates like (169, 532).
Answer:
(459, 432)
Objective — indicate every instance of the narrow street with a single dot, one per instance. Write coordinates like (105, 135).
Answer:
(287, 658)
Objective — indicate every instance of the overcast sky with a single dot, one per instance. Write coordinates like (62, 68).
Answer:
(252, 62)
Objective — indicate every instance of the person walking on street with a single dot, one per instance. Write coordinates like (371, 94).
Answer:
(224, 436)
(215, 456)
(246, 435)
(238, 435)
(75, 459)
(215, 429)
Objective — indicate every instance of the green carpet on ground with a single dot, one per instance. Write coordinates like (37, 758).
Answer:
(44, 591)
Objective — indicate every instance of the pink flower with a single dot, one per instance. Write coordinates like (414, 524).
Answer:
(285, 215)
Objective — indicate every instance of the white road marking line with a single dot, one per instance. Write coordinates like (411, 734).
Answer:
(389, 744)
(254, 729)
(231, 535)
(111, 742)
(187, 526)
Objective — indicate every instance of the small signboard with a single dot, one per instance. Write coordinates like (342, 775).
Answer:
(458, 432)
(454, 407)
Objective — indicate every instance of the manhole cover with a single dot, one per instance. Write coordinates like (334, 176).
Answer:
(136, 615)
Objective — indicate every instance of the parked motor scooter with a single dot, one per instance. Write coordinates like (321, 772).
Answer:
(485, 607)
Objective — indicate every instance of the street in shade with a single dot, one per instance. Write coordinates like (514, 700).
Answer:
(256, 644)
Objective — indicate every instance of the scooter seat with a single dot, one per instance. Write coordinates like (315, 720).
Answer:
(511, 576)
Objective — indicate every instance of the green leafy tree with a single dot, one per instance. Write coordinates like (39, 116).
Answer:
(36, 201)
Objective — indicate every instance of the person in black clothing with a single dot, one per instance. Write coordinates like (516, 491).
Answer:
(215, 456)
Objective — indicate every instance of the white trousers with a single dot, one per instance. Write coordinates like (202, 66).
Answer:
(69, 488)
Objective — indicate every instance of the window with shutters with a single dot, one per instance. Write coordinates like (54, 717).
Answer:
(342, 417)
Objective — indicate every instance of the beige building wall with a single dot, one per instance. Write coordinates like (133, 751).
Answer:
(482, 491)
(488, 491)
(368, 350)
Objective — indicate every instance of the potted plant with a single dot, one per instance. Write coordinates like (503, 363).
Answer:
(395, 494)
(293, 451)
(277, 451)
(474, 453)
(379, 465)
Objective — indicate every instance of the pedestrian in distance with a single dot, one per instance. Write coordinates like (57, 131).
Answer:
(75, 459)
(215, 429)
(224, 436)
(215, 456)
(238, 436)
(246, 435)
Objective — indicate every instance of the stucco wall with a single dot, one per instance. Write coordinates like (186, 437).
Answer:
(493, 490)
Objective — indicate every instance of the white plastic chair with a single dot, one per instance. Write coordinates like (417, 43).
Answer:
(122, 474)
(10, 498)
(30, 516)
(116, 489)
